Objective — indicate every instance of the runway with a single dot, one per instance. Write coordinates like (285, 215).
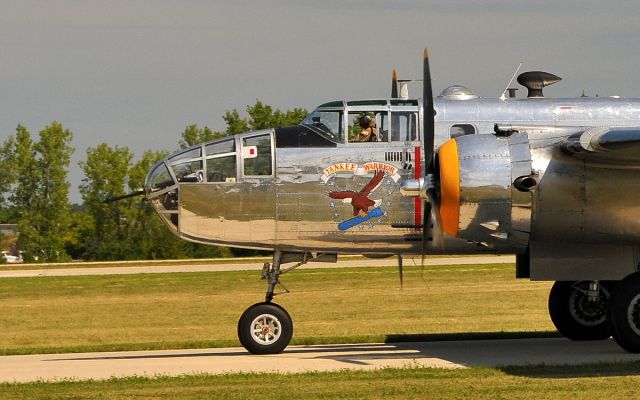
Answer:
(444, 354)
(245, 266)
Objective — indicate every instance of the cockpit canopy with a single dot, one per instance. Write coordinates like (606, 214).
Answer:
(394, 120)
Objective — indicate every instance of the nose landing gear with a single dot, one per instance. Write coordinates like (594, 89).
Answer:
(267, 328)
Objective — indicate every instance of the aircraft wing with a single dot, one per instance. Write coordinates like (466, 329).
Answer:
(606, 144)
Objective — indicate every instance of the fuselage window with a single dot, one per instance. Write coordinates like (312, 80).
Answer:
(461, 130)
(404, 126)
(261, 163)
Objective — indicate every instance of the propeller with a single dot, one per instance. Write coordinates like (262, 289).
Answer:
(400, 271)
(394, 84)
(429, 225)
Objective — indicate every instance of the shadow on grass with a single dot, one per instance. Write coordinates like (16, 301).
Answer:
(592, 370)
(442, 337)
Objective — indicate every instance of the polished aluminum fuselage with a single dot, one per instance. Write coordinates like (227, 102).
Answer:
(290, 208)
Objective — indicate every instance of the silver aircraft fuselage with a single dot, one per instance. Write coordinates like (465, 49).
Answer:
(281, 188)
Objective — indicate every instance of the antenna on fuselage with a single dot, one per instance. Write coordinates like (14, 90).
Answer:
(503, 96)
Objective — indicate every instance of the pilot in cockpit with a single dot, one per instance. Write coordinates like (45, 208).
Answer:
(369, 132)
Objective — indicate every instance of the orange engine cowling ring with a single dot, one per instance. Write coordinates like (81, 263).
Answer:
(449, 187)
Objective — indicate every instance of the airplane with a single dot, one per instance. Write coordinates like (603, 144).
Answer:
(554, 181)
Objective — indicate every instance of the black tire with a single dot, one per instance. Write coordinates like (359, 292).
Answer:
(574, 315)
(624, 313)
(276, 325)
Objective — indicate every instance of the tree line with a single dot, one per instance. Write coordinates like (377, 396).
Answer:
(34, 193)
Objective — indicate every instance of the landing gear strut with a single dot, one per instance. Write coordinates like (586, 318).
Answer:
(267, 328)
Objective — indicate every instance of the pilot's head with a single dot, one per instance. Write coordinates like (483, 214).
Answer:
(365, 121)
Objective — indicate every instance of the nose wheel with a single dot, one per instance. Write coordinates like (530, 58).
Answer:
(265, 328)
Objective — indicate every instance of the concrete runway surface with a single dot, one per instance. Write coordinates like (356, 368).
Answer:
(445, 354)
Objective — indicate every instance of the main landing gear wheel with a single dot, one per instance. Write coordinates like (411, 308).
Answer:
(265, 328)
(624, 313)
(579, 309)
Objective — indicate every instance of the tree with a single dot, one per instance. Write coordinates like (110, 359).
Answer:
(41, 196)
(54, 148)
(235, 124)
(106, 171)
(7, 177)
(193, 135)
(261, 116)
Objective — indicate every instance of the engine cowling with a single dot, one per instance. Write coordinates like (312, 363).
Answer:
(485, 189)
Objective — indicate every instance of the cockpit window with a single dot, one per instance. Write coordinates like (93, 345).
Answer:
(404, 126)
(193, 153)
(228, 146)
(190, 171)
(326, 122)
(221, 169)
(160, 178)
(368, 126)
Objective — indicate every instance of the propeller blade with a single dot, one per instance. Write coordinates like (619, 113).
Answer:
(394, 85)
(124, 196)
(428, 123)
(400, 271)
(428, 115)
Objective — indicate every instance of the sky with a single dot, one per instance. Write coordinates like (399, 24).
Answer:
(136, 73)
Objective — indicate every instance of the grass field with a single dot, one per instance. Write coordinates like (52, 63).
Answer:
(599, 381)
(182, 310)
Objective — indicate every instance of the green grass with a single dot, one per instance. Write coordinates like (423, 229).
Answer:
(195, 310)
(597, 381)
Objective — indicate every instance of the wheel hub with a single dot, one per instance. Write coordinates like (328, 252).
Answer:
(587, 311)
(265, 329)
(633, 314)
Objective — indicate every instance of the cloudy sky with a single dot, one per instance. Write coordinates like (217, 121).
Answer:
(135, 73)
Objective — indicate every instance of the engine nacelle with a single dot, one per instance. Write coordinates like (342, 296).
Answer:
(485, 190)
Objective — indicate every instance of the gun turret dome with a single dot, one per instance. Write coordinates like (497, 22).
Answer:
(534, 81)
(457, 92)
